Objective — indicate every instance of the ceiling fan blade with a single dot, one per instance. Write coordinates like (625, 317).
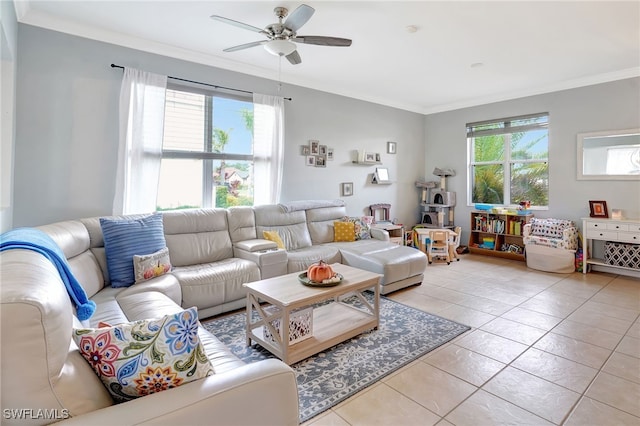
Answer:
(294, 58)
(245, 46)
(322, 41)
(236, 23)
(299, 17)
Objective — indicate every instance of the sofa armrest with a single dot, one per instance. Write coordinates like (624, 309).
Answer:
(254, 245)
(242, 396)
(526, 230)
(272, 262)
(379, 234)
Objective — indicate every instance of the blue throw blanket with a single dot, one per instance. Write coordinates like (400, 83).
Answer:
(38, 241)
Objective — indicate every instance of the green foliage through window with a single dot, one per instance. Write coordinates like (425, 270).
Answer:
(509, 160)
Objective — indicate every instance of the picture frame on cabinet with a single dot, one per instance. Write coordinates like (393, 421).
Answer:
(598, 209)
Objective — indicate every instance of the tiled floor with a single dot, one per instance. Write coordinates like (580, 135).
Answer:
(544, 349)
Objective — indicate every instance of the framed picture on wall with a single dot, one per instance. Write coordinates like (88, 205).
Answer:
(391, 147)
(314, 146)
(347, 189)
(311, 160)
(598, 209)
(330, 154)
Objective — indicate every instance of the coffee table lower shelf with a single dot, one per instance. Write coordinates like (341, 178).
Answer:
(332, 323)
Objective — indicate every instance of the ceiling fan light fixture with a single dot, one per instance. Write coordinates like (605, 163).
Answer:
(280, 47)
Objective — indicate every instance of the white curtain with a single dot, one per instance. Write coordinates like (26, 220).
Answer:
(268, 148)
(142, 101)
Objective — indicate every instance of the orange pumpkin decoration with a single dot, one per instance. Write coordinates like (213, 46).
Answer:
(320, 271)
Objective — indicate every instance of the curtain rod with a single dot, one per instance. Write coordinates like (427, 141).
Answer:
(198, 82)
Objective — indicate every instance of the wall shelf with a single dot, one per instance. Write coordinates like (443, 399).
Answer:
(366, 163)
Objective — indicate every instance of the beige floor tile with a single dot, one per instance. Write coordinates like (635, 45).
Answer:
(488, 306)
(482, 408)
(467, 316)
(621, 298)
(547, 303)
(383, 405)
(625, 366)
(629, 346)
(543, 398)
(432, 388)
(588, 334)
(616, 392)
(491, 345)
(593, 413)
(575, 350)
(532, 318)
(514, 331)
(580, 285)
(634, 331)
(465, 364)
(555, 369)
(329, 418)
(599, 320)
(611, 310)
(422, 302)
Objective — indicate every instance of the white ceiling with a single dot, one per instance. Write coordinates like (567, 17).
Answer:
(525, 47)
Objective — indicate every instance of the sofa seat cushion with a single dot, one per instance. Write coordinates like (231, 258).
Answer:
(394, 262)
(212, 284)
(107, 308)
(299, 260)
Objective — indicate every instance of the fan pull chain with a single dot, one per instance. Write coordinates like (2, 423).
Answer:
(279, 73)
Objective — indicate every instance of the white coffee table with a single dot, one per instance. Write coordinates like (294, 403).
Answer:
(333, 322)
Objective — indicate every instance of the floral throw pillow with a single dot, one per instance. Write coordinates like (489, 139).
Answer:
(144, 357)
(153, 265)
(361, 226)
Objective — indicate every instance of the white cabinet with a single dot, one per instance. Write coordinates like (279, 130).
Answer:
(621, 231)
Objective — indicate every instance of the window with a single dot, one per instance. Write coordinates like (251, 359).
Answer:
(207, 150)
(508, 160)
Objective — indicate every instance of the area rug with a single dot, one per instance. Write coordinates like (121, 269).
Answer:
(331, 376)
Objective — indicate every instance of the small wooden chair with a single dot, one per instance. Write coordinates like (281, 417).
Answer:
(438, 246)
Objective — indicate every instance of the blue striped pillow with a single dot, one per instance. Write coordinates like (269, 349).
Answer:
(124, 238)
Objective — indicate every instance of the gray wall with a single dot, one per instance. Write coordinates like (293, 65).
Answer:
(608, 106)
(66, 135)
(67, 127)
(9, 51)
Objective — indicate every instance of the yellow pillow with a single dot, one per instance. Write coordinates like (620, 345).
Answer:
(273, 236)
(344, 231)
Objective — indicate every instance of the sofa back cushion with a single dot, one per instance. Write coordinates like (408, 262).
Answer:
(41, 367)
(197, 236)
(129, 237)
(320, 223)
(73, 238)
(291, 226)
(242, 223)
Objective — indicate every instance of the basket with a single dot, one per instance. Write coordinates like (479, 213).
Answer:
(300, 324)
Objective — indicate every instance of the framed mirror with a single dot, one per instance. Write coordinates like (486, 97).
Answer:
(611, 155)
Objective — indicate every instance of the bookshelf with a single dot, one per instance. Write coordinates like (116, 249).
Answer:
(504, 229)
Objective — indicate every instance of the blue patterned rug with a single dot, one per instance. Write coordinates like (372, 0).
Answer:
(331, 376)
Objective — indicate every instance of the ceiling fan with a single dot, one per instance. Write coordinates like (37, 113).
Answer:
(281, 34)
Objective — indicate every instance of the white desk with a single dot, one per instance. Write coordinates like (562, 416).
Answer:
(396, 232)
(423, 234)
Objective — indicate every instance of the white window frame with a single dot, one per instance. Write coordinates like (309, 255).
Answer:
(208, 153)
(507, 161)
